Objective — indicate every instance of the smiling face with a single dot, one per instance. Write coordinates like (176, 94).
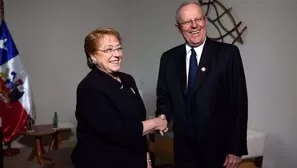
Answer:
(108, 54)
(192, 24)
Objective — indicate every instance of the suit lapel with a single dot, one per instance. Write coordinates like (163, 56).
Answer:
(181, 69)
(111, 87)
(204, 64)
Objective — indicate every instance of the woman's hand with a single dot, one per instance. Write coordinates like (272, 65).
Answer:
(149, 165)
(149, 162)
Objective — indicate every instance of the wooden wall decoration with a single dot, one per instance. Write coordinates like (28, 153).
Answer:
(236, 31)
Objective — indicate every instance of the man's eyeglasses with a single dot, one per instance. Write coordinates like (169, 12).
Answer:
(111, 50)
(199, 21)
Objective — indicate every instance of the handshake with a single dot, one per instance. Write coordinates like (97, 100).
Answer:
(161, 124)
(155, 124)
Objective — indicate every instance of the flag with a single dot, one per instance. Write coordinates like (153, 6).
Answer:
(15, 94)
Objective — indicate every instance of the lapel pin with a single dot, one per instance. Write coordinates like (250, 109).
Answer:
(203, 69)
(132, 90)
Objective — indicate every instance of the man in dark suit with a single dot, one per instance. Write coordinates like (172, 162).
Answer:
(201, 85)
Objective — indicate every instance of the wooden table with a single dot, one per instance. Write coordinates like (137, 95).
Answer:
(38, 151)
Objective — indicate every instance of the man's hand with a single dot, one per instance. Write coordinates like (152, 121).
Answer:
(163, 117)
(161, 123)
(232, 161)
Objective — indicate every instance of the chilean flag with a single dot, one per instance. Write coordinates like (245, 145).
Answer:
(15, 94)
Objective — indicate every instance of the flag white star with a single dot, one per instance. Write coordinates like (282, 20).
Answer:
(2, 46)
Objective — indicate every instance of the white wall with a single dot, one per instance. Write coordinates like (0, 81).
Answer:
(49, 36)
(269, 57)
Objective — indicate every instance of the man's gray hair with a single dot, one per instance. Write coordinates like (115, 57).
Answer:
(177, 15)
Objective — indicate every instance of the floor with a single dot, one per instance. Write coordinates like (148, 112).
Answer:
(20, 161)
(162, 148)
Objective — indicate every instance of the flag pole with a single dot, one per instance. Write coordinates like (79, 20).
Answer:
(8, 151)
(1, 146)
(1, 132)
(2, 9)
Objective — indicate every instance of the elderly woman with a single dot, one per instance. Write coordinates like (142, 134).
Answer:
(109, 111)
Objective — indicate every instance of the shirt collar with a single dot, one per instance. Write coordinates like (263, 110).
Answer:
(188, 48)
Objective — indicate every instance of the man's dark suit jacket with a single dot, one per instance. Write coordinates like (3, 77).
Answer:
(218, 103)
(109, 130)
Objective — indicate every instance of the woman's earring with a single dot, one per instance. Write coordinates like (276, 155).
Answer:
(93, 60)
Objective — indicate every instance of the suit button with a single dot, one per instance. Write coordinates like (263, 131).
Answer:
(185, 118)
